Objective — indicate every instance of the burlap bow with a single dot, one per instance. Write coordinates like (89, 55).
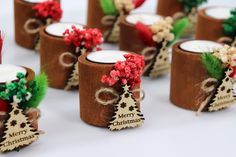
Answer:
(112, 34)
(207, 88)
(149, 54)
(32, 26)
(226, 40)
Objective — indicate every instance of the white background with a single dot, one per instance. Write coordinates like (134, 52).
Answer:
(168, 130)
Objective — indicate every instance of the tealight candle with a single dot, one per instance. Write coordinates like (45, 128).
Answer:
(199, 46)
(188, 72)
(8, 72)
(57, 29)
(147, 19)
(106, 56)
(219, 12)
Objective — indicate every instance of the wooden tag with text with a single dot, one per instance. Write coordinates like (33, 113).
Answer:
(18, 131)
(224, 96)
(127, 114)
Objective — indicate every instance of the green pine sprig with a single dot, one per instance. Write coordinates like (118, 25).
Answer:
(230, 25)
(189, 4)
(213, 65)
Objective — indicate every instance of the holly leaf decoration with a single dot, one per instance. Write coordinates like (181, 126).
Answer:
(108, 7)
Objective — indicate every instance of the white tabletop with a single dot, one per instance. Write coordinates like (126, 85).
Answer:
(168, 131)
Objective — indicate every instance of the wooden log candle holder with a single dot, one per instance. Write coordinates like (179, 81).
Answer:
(181, 9)
(188, 72)
(57, 58)
(27, 25)
(138, 33)
(92, 67)
(106, 21)
(210, 23)
(129, 36)
(169, 7)
(8, 73)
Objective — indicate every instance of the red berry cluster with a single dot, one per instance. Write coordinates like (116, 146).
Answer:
(87, 38)
(127, 72)
(49, 9)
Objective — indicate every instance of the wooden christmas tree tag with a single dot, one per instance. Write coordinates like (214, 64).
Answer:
(127, 114)
(73, 81)
(18, 131)
(224, 96)
(113, 35)
(161, 64)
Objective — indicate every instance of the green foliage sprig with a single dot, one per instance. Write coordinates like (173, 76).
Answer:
(178, 29)
(108, 7)
(230, 25)
(18, 89)
(213, 65)
(189, 4)
(38, 88)
(29, 95)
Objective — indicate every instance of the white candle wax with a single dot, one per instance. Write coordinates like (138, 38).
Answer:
(8, 72)
(200, 46)
(107, 56)
(219, 12)
(35, 1)
(147, 19)
(57, 29)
